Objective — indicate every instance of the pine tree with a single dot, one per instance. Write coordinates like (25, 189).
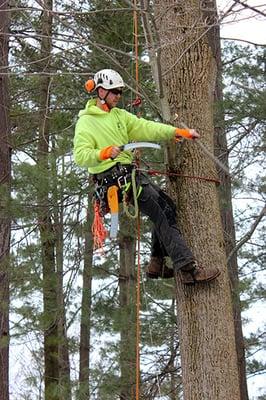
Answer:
(5, 219)
(244, 68)
(226, 209)
(81, 45)
(47, 234)
(86, 303)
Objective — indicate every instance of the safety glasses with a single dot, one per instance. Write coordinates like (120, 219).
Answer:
(116, 91)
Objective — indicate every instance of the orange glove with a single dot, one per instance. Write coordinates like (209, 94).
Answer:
(106, 153)
(109, 152)
(186, 133)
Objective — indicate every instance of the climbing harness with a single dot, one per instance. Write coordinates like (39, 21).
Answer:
(112, 187)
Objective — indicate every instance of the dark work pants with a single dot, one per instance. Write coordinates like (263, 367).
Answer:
(166, 237)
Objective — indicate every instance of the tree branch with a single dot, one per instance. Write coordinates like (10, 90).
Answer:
(250, 7)
(248, 234)
(244, 41)
(244, 134)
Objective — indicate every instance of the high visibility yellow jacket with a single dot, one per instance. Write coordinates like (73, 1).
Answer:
(96, 129)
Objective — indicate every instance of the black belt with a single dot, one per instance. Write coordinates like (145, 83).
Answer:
(112, 174)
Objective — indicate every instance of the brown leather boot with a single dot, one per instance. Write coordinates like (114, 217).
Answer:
(194, 273)
(156, 268)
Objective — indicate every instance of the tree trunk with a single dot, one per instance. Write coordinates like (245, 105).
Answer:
(127, 300)
(175, 379)
(85, 323)
(206, 327)
(5, 223)
(47, 234)
(226, 207)
(63, 351)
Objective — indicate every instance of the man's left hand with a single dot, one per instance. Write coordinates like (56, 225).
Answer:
(194, 134)
(186, 133)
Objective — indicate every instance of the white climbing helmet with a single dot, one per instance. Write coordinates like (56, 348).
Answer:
(108, 79)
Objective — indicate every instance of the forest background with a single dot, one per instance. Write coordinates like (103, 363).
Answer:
(247, 28)
(50, 57)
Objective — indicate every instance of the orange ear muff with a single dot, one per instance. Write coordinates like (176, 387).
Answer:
(90, 85)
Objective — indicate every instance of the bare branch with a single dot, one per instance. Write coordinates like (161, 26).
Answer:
(248, 234)
(72, 13)
(250, 7)
(244, 41)
(246, 132)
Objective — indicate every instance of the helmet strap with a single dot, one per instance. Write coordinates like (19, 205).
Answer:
(103, 102)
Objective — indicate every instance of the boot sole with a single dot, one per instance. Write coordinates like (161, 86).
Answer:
(194, 281)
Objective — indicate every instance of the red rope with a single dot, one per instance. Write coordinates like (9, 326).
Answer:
(201, 178)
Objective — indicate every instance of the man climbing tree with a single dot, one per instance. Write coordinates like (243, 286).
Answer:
(101, 132)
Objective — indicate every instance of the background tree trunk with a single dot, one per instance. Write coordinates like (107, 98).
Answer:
(5, 223)
(127, 300)
(47, 234)
(58, 215)
(85, 322)
(226, 208)
(206, 328)
(175, 380)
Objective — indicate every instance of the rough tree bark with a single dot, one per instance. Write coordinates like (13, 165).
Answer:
(226, 207)
(5, 223)
(85, 319)
(127, 300)
(47, 234)
(58, 216)
(206, 326)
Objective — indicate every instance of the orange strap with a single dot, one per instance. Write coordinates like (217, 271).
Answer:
(105, 107)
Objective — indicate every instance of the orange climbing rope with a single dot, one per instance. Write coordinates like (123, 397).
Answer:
(136, 44)
(138, 303)
(99, 232)
(137, 394)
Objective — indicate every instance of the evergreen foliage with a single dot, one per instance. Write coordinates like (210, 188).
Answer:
(81, 46)
(244, 73)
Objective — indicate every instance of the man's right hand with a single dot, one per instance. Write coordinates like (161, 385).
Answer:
(109, 152)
